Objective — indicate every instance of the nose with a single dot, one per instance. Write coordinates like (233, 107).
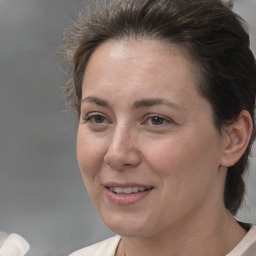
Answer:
(123, 150)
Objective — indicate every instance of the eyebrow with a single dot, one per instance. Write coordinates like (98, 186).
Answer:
(96, 100)
(156, 101)
(137, 104)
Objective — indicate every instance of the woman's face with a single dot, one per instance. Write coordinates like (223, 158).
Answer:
(148, 150)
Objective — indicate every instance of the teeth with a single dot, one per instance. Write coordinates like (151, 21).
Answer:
(127, 190)
(135, 189)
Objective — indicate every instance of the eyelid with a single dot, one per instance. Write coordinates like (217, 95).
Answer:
(91, 115)
(166, 119)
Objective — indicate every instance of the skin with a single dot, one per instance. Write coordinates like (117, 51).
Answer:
(170, 145)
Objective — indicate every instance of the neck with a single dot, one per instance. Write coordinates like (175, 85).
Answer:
(210, 236)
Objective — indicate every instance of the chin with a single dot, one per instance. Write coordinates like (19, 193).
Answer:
(128, 226)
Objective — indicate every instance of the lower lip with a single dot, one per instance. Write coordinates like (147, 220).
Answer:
(122, 199)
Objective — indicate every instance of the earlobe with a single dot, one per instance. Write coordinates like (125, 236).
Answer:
(237, 135)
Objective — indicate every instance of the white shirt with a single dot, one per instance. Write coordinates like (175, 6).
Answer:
(246, 247)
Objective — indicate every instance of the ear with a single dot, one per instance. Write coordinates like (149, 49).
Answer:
(237, 137)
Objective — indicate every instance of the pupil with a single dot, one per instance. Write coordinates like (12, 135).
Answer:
(157, 120)
(99, 119)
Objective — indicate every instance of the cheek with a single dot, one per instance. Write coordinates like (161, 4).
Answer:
(168, 156)
(185, 160)
(90, 154)
(187, 173)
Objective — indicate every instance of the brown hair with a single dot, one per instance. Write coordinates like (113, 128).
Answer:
(213, 35)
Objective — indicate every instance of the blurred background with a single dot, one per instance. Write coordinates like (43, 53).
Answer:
(42, 195)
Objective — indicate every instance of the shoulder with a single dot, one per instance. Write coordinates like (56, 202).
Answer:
(108, 247)
(247, 246)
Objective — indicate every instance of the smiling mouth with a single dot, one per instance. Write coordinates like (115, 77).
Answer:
(127, 190)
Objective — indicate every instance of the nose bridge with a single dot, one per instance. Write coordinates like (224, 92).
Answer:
(120, 137)
(123, 148)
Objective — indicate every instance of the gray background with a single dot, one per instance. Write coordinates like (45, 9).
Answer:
(42, 195)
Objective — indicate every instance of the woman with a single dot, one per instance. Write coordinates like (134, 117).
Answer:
(165, 94)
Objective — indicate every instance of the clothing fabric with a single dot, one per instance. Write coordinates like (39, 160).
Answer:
(246, 247)
(105, 248)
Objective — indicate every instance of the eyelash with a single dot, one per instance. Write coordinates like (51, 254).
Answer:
(91, 118)
(163, 119)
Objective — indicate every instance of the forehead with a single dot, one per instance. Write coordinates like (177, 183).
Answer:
(135, 58)
(123, 48)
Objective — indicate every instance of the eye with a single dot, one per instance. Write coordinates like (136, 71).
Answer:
(96, 119)
(157, 120)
